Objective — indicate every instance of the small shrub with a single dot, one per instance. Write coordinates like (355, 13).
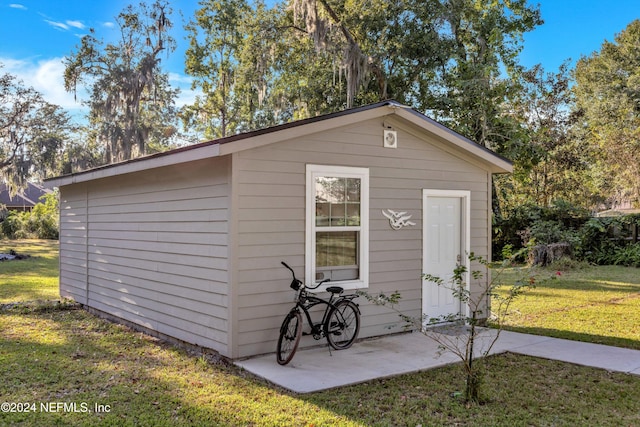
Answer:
(529, 224)
(600, 241)
(40, 223)
(460, 333)
(627, 255)
(14, 225)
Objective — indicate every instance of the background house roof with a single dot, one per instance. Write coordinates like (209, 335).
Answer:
(26, 199)
(247, 140)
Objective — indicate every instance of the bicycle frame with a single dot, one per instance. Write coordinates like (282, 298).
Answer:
(306, 302)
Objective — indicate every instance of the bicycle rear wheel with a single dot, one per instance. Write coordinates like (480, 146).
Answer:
(290, 333)
(343, 325)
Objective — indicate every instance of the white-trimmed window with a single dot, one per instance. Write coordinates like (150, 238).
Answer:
(337, 232)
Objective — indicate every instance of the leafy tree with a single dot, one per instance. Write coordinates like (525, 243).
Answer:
(444, 57)
(131, 101)
(218, 37)
(47, 147)
(32, 132)
(607, 92)
(81, 154)
(553, 162)
(484, 39)
(336, 32)
(43, 219)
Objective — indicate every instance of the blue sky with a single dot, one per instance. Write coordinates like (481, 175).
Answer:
(35, 35)
(575, 28)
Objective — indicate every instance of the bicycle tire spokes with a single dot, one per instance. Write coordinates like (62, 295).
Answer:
(343, 325)
(290, 333)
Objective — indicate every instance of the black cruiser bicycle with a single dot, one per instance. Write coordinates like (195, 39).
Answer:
(340, 322)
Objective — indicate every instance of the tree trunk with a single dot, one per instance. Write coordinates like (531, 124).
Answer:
(543, 255)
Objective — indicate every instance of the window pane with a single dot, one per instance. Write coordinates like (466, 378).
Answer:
(353, 189)
(353, 214)
(330, 189)
(338, 190)
(337, 256)
(338, 214)
(322, 214)
(337, 201)
(338, 248)
(323, 189)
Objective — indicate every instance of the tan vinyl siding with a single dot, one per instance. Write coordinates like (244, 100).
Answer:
(157, 249)
(189, 243)
(271, 219)
(73, 243)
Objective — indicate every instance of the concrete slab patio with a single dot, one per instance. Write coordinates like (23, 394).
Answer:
(318, 369)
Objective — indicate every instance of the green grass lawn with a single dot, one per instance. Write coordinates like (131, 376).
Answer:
(57, 355)
(593, 304)
(69, 356)
(34, 278)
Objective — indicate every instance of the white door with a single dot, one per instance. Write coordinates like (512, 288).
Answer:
(442, 252)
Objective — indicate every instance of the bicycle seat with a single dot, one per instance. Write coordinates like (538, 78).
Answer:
(335, 289)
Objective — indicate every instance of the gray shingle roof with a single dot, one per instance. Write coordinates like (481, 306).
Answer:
(25, 199)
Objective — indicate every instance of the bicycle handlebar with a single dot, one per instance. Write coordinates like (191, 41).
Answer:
(295, 283)
(320, 283)
(290, 269)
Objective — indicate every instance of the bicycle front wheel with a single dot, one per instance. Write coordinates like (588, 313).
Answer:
(290, 333)
(343, 325)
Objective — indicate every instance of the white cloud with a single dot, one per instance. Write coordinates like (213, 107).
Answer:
(187, 95)
(47, 77)
(66, 25)
(49, 80)
(76, 24)
(57, 25)
(180, 79)
(10, 64)
(108, 24)
(18, 6)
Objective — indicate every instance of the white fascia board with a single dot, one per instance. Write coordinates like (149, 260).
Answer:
(292, 132)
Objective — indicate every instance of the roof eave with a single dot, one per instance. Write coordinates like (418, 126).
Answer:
(219, 147)
(139, 164)
(261, 137)
(497, 164)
